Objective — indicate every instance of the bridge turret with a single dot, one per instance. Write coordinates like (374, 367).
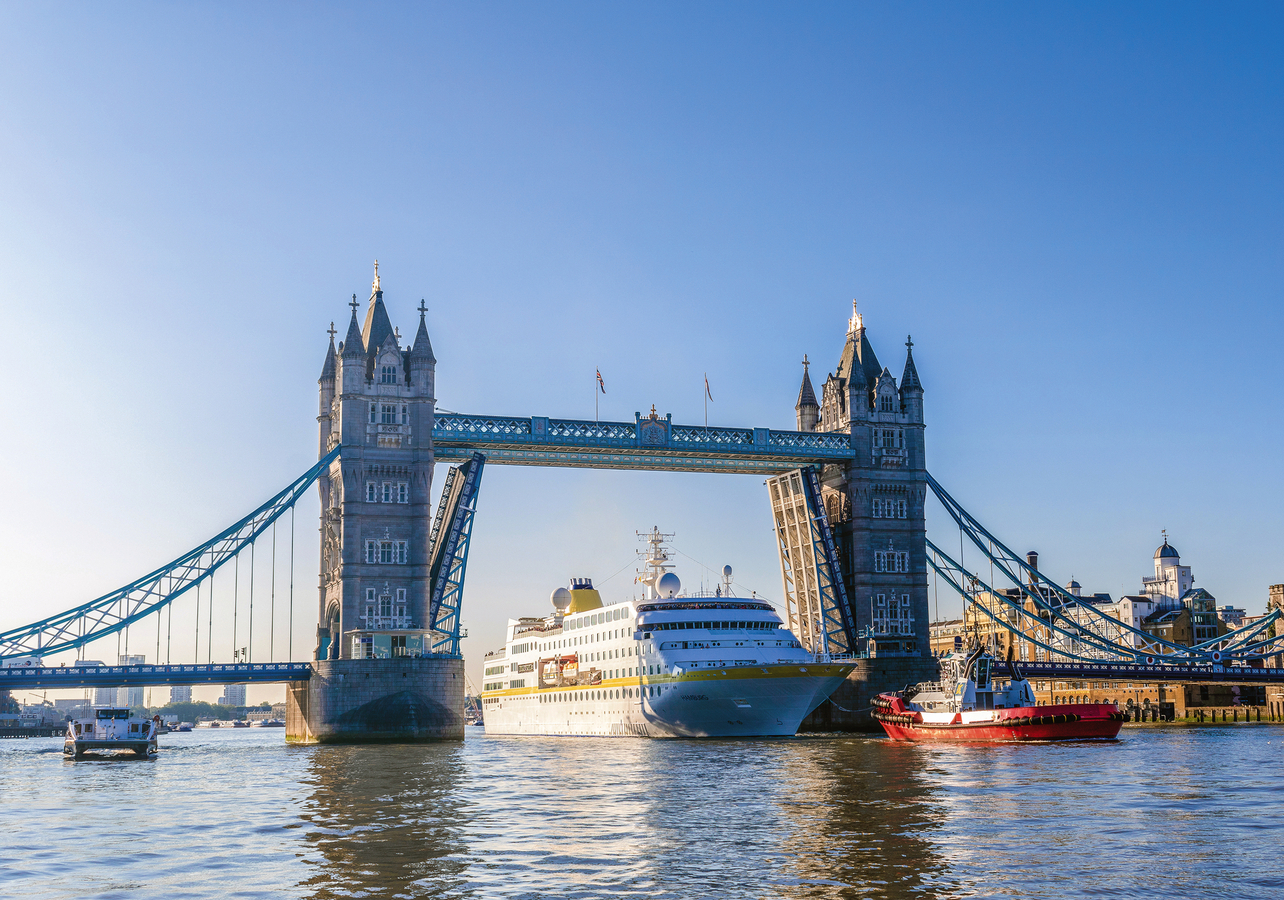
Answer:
(807, 409)
(911, 387)
(325, 402)
(421, 362)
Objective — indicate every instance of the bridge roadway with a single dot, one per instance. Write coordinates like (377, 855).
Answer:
(649, 442)
(40, 678)
(1156, 673)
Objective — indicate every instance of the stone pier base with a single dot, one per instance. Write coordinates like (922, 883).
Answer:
(356, 701)
(848, 708)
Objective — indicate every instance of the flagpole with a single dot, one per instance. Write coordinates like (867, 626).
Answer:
(595, 397)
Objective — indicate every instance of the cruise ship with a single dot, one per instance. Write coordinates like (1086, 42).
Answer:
(668, 665)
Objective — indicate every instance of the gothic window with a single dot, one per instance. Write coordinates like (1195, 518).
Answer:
(882, 599)
(374, 413)
(403, 492)
(901, 509)
(900, 562)
(387, 551)
(372, 551)
(878, 508)
(401, 602)
(401, 551)
(889, 439)
(387, 492)
(405, 414)
(880, 560)
(387, 374)
(885, 403)
(389, 414)
(371, 491)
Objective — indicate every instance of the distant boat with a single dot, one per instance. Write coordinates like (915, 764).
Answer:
(111, 731)
(237, 723)
(270, 723)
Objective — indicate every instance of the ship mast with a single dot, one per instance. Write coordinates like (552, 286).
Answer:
(655, 561)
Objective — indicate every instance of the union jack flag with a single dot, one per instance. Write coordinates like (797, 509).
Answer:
(599, 380)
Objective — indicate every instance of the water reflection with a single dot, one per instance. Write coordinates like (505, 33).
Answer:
(385, 820)
(861, 817)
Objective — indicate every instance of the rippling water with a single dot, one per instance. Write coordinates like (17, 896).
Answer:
(1177, 813)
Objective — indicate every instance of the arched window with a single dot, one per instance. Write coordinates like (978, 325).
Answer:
(388, 374)
(885, 404)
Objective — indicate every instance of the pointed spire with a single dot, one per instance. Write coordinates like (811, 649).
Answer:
(855, 324)
(378, 327)
(806, 395)
(327, 369)
(909, 378)
(422, 348)
(353, 345)
(374, 287)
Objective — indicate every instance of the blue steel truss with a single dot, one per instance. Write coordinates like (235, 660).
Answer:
(1042, 613)
(1144, 672)
(48, 677)
(123, 607)
(448, 553)
(649, 442)
(839, 624)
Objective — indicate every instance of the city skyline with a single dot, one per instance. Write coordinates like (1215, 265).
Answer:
(1075, 216)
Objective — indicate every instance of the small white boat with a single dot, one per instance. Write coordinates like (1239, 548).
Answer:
(111, 731)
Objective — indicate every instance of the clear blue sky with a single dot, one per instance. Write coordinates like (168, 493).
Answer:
(1075, 209)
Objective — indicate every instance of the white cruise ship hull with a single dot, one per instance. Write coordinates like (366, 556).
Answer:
(757, 701)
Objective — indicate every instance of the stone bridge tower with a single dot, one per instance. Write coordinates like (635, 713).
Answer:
(876, 505)
(371, 678)
(377, 401)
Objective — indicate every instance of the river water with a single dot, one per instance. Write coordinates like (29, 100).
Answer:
(1175, 813)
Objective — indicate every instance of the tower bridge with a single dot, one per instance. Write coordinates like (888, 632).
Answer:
(848, 490)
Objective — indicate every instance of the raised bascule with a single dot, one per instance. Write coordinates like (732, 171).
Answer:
(848, 490)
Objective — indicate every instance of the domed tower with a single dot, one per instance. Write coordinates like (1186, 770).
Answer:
(1172, 580)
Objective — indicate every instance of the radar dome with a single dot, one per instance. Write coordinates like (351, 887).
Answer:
(726, 571)
(669, 585)
(561, 599)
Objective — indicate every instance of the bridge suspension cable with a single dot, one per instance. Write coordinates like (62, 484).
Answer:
(1042, 613)
(115, 612)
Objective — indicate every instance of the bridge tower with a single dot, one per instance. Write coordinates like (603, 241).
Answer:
(375, 676)
(377, 402)
(876, 507)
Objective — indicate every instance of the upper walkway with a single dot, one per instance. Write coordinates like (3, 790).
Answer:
(648, 442)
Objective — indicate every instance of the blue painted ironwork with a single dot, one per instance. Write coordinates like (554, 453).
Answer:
(1156, 673)
(448, 553)
(157, 589)
(48, 677)
(1051, 618)
(649, 442)
(839, 624)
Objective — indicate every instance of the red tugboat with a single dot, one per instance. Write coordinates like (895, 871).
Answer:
(966, 705)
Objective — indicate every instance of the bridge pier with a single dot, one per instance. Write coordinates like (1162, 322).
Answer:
(848, 707)
(362, 701)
